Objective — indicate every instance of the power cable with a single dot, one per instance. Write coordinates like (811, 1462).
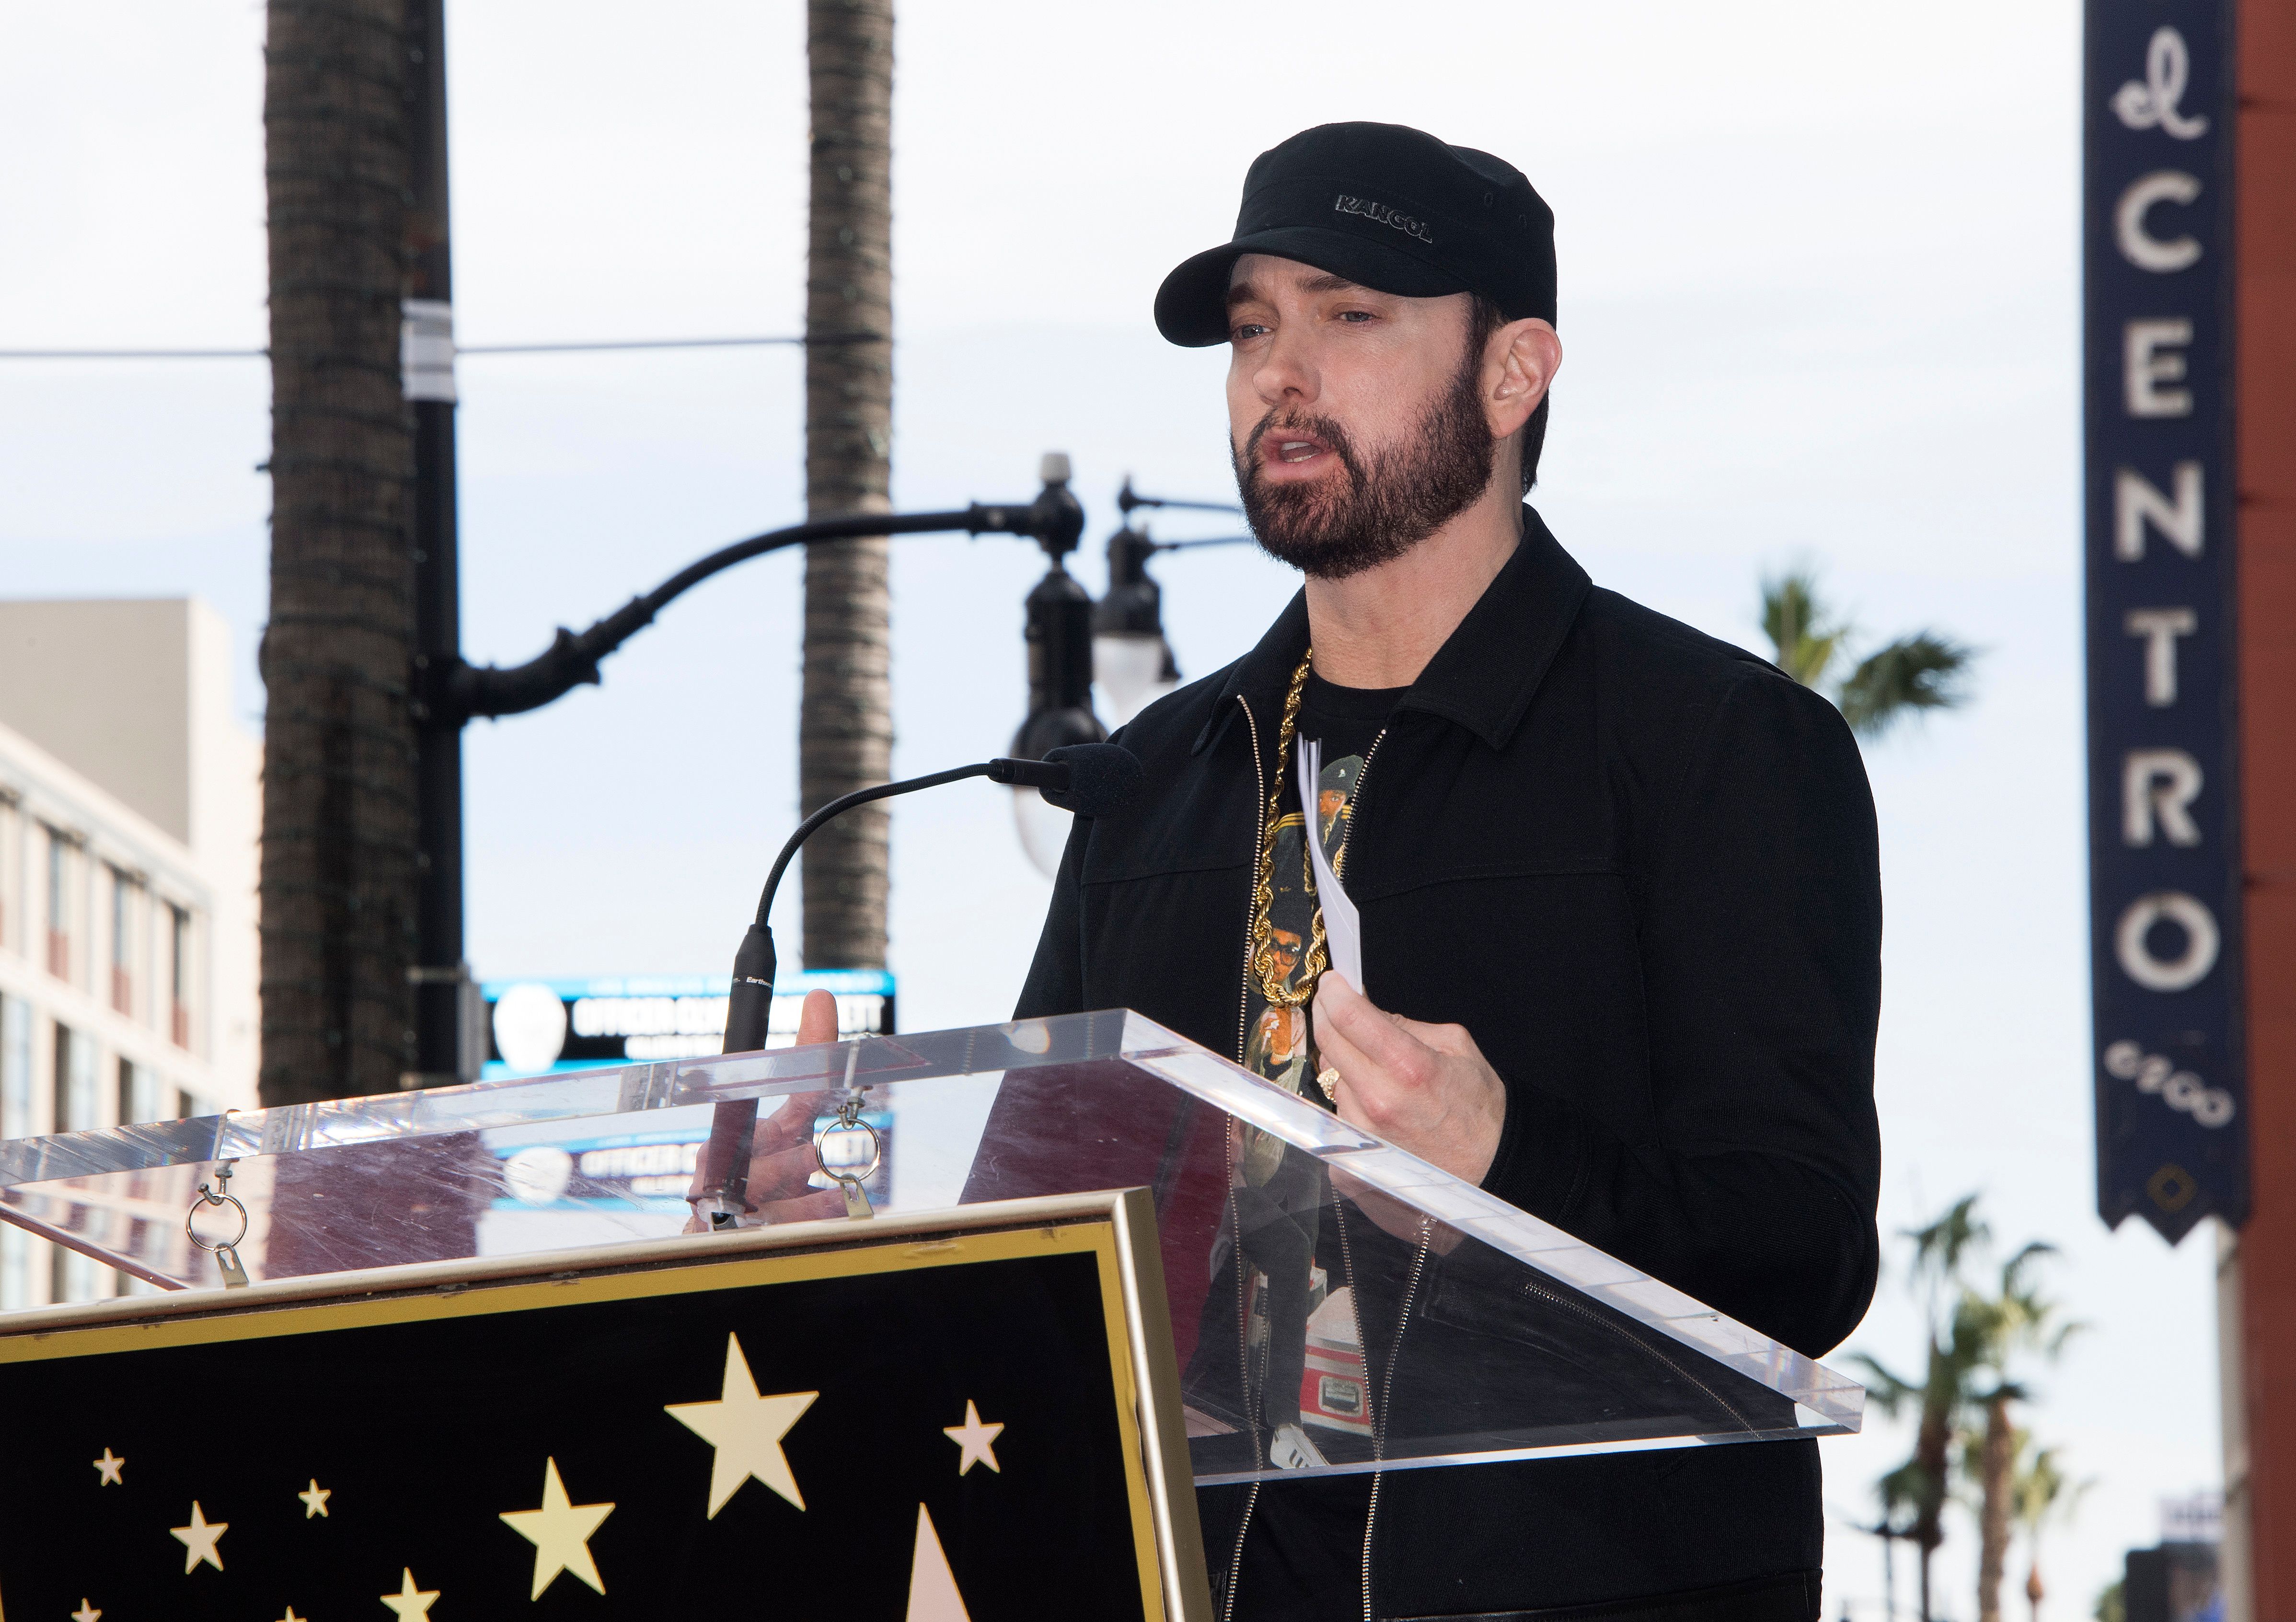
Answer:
(460, 349)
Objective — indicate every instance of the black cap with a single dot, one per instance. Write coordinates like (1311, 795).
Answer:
(1388, 207)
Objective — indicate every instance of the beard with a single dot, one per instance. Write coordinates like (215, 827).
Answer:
(1381, 503)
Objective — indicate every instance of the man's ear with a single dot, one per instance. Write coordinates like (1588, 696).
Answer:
(1520, 363)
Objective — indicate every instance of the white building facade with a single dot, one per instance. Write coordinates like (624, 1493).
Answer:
(130, 808)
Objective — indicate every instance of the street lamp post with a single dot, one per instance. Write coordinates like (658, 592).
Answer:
(444, 1001)
(1074, 643)
(1071, 642)
(449, 693)
(1131, 658)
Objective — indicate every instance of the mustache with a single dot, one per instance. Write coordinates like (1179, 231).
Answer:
(1323, 428)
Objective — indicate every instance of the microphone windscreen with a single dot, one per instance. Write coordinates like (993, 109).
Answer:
(1101, 777)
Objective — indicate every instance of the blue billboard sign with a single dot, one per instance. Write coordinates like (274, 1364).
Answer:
(2164, 785)
(537, 1025)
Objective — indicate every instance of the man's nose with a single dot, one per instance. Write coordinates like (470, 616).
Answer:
(1286, 372)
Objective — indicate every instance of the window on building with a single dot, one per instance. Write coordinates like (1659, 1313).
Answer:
(74, 1277)
(123, 920)
(59, 912)
(139, 1094)
(179, 981)
(15, 1270)
(75, 1081)
(15, 1067)
(12, 908)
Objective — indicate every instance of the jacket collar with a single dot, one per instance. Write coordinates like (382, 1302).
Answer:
(1484, 675)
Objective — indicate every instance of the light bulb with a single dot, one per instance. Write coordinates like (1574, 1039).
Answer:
(1044, 829)
(1130, 669)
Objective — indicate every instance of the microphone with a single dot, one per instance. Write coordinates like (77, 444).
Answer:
(1089, 779)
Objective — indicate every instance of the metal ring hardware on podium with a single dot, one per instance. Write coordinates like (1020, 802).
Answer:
(848, 1122)
(226, 1252)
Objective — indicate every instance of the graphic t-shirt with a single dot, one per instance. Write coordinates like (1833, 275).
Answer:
(1347, 721)
(1307, 1414)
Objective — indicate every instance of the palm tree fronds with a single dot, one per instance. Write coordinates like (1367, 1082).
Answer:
(1805, 633)
(1890, 1392)
(1938, 1248)
(1922, 671)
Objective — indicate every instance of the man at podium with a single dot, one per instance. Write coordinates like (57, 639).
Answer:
(1615, 882)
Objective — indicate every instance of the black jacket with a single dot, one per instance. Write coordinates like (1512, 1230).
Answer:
(1639, 865)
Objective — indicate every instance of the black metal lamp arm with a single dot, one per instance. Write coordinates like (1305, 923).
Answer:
(450, 697)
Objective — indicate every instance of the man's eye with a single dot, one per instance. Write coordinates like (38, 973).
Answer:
(1356, 315)
(1245, 331)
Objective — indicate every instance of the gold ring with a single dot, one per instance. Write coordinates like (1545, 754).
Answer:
(1328, 1079)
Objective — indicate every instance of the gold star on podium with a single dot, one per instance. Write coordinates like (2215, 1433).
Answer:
(747, 1431)
(290, 1615)
(975, 1441)
(107, 1469)
(314, 1499)
(200, 1539)
(410, 1604)
(87, 1612)
(560, 1532)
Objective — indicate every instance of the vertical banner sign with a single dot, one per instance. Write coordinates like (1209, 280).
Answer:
(2164, 846)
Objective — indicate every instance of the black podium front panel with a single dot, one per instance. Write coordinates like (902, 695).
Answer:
(900, 1423)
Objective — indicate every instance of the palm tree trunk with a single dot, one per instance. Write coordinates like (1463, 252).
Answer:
(338, 865)
(845, 727)
(1996, 1463)
(1931, 1444)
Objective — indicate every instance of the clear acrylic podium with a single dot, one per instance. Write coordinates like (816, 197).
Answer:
(1335, 1302)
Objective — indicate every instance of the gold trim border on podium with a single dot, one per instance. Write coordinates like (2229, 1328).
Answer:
(1116, 1227)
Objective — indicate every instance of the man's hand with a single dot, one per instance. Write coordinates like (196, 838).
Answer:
(781, 1153)
(1425, 1088)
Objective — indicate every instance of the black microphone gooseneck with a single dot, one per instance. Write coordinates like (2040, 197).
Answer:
(1087, 778)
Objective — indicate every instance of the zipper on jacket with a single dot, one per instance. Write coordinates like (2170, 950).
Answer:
(1243, 1022)
(1340, 867)
(1394, 1357)
(1542, 1293)
(1243, 1376)
(1252, 889)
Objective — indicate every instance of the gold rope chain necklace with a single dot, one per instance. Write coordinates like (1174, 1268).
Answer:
(1263, 942)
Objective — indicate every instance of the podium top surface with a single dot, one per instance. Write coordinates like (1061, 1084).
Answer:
(1336, 1303)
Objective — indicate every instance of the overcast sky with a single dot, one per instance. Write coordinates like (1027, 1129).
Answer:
(1819, 303)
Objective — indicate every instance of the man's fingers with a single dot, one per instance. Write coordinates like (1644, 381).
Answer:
(817, 1022)
(780, 1173)
(1367, 1094)
(1373, 1034)
(1338, 1051)
(803, 1208)
(1450, 1039)
(792, 1123)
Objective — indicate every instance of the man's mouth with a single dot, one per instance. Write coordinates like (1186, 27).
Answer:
(1292, 446)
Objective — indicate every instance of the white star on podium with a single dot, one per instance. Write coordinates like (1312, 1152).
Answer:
(409, 1604)
(107, 1472)
(975, 1441)
(314, 1499)
(200, 1539)
(747, 1431)
(560, 1532)
(87, 1612)
(933, 1592)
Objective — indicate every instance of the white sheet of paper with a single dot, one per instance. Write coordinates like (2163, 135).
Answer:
(1342, 929)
